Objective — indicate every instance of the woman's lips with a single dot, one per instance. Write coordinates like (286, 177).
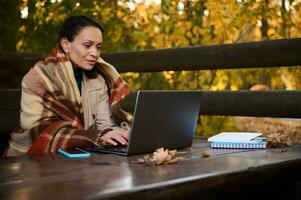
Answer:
(91, 62)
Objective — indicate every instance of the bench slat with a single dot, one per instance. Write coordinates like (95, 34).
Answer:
(270, 53)
(227, 56)
(278, 103)
(233, 103)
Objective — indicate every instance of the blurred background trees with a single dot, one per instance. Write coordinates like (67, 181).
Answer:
(131, 25)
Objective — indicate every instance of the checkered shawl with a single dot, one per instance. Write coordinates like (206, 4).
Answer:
(51, 107)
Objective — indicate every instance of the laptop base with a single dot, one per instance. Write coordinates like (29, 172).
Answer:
(112, 150)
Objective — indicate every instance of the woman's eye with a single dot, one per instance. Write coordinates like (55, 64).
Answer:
(87, 46)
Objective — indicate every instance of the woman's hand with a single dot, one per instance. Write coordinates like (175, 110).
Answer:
(115, 137)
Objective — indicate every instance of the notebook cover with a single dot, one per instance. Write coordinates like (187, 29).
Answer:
(236, 137)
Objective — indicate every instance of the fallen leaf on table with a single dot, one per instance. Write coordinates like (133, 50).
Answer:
(159, 157)
(278, 140)
(174, 160)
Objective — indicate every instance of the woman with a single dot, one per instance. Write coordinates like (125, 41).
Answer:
(71, 99)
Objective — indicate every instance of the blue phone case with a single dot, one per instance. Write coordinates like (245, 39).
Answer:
(84, 154)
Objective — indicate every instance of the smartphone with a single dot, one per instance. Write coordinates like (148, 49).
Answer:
(74, 153)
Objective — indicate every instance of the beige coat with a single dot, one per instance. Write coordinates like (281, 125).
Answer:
(95, 100)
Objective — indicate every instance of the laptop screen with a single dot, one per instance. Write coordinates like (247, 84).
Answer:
(164, 119)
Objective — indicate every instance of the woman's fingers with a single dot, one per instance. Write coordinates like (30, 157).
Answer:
(125, 135)
(120, 139)
(115, 137)
(109, 141)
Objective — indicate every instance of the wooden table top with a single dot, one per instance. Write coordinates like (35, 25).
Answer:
(106, 176)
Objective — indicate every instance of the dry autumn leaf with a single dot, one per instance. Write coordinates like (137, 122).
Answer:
(159, 157)
(278, 140)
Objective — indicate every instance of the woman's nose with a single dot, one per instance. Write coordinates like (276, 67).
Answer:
(94, 52)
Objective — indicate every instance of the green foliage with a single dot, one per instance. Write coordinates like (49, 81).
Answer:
(210, 125)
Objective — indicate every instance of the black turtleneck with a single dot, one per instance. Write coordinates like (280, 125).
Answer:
(78, 75)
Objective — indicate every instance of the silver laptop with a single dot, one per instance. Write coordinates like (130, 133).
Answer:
(161, 119)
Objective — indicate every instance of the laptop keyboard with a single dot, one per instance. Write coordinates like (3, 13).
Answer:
(114, 148)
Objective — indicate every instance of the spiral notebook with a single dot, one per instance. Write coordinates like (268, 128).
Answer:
(238, 140)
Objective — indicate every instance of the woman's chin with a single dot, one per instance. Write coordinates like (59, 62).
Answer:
(87, 67)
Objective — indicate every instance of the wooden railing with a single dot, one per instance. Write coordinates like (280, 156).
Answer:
(272, 53)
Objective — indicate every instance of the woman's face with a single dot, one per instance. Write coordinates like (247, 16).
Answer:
(85, 49)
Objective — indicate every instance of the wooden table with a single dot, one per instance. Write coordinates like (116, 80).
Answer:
(225, 174)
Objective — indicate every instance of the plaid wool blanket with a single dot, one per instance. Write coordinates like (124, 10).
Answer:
(51, 107)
